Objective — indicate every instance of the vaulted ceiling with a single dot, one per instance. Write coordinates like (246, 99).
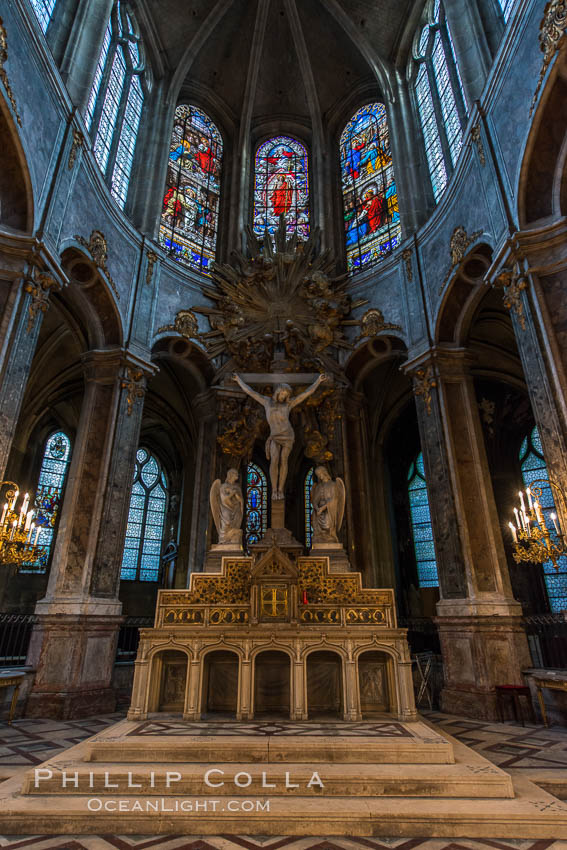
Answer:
(278, 58)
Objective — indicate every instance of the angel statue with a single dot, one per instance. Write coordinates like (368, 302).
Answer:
(280, 442)
(327, 507)
(227, 506)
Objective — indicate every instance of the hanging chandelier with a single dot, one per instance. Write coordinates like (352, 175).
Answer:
(18, 532)
(533, 539)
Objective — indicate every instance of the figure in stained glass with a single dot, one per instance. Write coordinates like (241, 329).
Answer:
(189, 220)
(281, 187)
(371, 212)
(141, 558)
(256, 504)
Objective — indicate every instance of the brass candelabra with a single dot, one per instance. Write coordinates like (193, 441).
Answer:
(533, 540)
(18, 532)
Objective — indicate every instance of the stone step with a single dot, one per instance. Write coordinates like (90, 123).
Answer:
(532, 813)
(63, 777)
(273, 749)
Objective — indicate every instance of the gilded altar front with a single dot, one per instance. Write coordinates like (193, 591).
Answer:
(270, 634)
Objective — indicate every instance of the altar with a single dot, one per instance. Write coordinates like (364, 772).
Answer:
(270, 636)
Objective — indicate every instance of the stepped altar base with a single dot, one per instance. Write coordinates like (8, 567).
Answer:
(269, 635)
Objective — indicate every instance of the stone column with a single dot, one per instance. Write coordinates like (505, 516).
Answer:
(244, 708)
(471, 46)
(26, 281)
(299, 706)
(205, 408)
(352, 695)
(482, 637)
(82, 51)
(73, 644)
(192, 710)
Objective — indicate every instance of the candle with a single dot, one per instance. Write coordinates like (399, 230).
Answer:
(539, 514)
(554, 518)
(14, 524)
(38, 529)
(305, 597)
(32, 526)
(4, 512)
(513, 530)
(516, 514)
(530, 500)
(26, 503)
(521, 495)
(16, 494)
(28, 520)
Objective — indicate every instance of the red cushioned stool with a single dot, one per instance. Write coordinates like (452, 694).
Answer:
(511, 694)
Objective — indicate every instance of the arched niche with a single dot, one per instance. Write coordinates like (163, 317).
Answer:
(374, 680)
(220, 683)
(325, 692)
(272, 691)
(172, 677)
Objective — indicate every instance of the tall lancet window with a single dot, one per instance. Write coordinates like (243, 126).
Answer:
(440, 98)
(256, 519)
(44, 11)
(141, 559)
(370, 197)
(308, 484)
(421, 525)
(115, 104)
(281, 187)
(49, 494)
(190, 208)
(534, 471)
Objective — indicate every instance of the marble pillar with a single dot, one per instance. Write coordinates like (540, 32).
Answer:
(81, 53)
(482, 638)
(205, 408)
(471, 46)
(73, 644)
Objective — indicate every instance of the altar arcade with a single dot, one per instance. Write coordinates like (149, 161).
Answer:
(269, 636)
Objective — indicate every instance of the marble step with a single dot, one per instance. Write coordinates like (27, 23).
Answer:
(532, 813)
(472, 779)
(273, 749)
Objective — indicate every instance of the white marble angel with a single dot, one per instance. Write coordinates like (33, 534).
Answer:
(227, 506)
(327, 507)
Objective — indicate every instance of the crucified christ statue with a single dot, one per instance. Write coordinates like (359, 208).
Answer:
(280, 442)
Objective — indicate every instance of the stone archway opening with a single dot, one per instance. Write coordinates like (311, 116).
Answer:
(220, 683)
(172, 681)
(325, 697)
(272, 692)
(375, 697)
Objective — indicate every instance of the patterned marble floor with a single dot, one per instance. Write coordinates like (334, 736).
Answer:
(174, 728)
(530, 750)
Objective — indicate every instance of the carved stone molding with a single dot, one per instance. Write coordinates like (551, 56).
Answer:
(373, 323)
(476, 136)
(76, 144)
(38, 286)
(135, 383)
(3, 74)
(512, 283)
(552, 35)
(423, 383)
(407, 258)
(152, 259)
(458, 246)
(98, 249)
(185, 324)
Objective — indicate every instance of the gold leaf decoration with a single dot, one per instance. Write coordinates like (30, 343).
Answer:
(97, 248)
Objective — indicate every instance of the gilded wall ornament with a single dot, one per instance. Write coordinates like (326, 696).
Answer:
(97, 248)
(552, 36)
(458, 246)
(76, 144)
(512, 284)
(423, 383)
(39, 287)
(185, 324)
(373, 323)
(3, 74)
(407, 258)
(240, 423)
(282, 295)
(476, 136)
(152, 259)
(135, 384)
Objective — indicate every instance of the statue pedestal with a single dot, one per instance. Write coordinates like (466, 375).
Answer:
(218, 551)
(278, 535)
(338, 558)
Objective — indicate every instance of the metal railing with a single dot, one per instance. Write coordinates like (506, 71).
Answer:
(129, 637)
(15, 634)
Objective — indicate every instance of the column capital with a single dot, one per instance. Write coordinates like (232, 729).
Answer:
(104, 366)
(446, 362)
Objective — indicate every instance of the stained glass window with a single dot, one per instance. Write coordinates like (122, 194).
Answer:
(281, 187)
(48, 495)
(370, 197)
(115, 104)
(506, 6)
(190, 207)
(43, 10)
(141, 559)
(440, 99)
(256, 504)
(534, 469)
(421, 525)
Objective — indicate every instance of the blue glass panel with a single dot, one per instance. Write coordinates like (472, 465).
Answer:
(256, 521)
(506, 6)
(43, 10)
(307, 502)
(127, 142)
(144, 534)
(370, 197)
(421, 526)
(433, 149)
(98, 75)
(447, 99)
(109, 114)
(281, 187)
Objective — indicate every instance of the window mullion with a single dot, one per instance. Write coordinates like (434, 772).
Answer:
(104, 83)
(118, 126)
(142, 526)
(453, 75)
(441, 129)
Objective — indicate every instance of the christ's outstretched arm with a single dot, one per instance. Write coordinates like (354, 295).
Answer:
(261, 399)
(309, 391)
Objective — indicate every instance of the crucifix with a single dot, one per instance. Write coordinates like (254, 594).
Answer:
(277, 408)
